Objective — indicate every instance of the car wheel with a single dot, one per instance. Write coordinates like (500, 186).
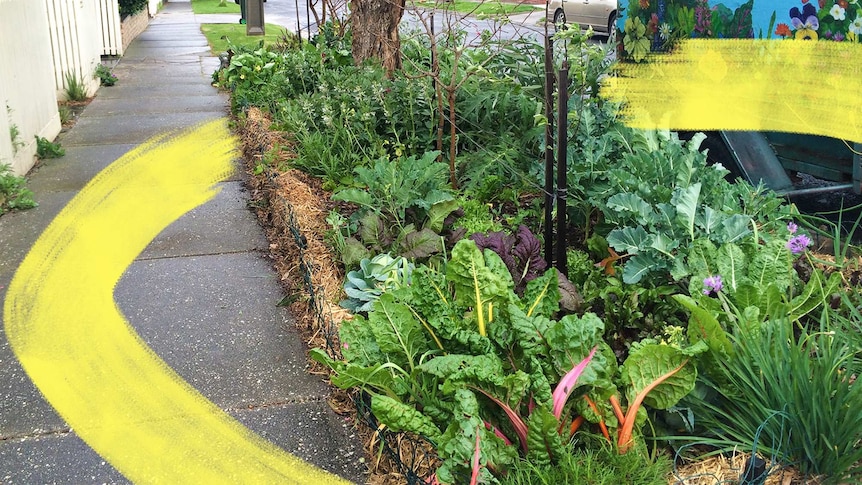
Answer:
(612, 29)
(559, 20)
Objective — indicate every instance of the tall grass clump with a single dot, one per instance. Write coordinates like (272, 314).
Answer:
(791, 394)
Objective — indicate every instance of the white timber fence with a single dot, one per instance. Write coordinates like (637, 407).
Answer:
(112, 39)
(76, 46)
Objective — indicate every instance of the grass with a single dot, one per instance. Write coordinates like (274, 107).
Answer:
(478, 8)
(216, 33)
(75, 88)
(595, 464)
(215, 6)
(790, 397)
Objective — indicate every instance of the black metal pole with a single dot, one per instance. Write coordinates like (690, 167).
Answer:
(307, 17)
(562, 148)
(549, 149)
(298, 28)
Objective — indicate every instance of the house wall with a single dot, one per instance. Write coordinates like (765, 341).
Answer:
(28, 92)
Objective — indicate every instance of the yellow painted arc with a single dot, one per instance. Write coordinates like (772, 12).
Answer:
(65, 328)
(746, 84)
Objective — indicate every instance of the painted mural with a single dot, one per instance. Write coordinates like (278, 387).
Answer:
(656, 25)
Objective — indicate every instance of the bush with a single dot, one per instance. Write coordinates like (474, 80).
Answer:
(131, 7)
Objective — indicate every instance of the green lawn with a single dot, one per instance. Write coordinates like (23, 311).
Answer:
(215, 34)
(214, 6)
(479, 8)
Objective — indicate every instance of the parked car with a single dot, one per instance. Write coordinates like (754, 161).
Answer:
(601, 15)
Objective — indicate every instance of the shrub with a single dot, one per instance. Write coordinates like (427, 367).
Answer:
(131, 7)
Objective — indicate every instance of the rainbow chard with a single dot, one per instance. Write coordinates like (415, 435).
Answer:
(656, 375)
(568, 382)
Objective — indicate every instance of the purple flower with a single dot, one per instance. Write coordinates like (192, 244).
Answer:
(797, 244)
(712, 283)
(838, 37)
(792, 227)
(806, 19)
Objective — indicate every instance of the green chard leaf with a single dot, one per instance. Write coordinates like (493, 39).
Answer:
(772, 265)
(403, 417)
(358, 343)
(480, 280)
(647, 364)
(731, 266)
(397, 332)
(572, 338)
(542, 295)
(544, 443)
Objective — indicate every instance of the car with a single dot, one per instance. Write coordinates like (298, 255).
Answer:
(601, 15)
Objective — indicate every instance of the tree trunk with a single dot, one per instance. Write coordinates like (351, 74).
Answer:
(375, 31)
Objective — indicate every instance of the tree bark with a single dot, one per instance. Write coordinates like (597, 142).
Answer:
(375, 31)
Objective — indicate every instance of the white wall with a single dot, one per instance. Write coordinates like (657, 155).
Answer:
(27, 84)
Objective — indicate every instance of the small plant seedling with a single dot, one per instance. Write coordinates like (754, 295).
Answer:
(105, 75)
(47, 149)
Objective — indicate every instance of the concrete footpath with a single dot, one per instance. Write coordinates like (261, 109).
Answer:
(202, 295)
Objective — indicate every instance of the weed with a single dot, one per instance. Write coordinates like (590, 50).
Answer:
(105, 75)
(15, 136)
(13, 192)
(75, 88)
(65, 114)
(47, 149)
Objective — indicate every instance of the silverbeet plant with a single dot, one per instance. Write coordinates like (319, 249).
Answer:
(458, 356)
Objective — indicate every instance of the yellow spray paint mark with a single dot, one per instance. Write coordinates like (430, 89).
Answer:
(76, 346)
(746, 84)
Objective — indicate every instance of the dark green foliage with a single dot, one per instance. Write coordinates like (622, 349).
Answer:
(47, 149)
(595, 464)
(105, 75)
(131, 7)
(14, 195)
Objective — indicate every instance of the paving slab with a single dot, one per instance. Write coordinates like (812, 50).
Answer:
(132, 128)
(167, 51)
(157, 105)
(19, 230)
(166, 89)
(214, 320)
(296, 429)
(71, 172)
(60, 459)
(223, 225)
(23, 411)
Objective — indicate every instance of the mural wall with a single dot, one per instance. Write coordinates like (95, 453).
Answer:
(655, 25)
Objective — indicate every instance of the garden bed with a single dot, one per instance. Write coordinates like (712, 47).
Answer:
(665, 298)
